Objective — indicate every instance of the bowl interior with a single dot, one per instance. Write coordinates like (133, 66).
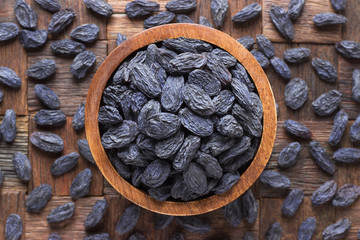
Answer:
(154, 35)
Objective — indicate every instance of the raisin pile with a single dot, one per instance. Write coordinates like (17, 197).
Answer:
(183, 117)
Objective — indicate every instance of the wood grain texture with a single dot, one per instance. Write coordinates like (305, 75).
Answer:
(70, 90)
(221, 229)
(11, 180)
(120, 23)
(306, 174)
(345, 70)
(158, 34)
(270, 212)
(83, 16)
(351, 31)
(41, 162)
(38, 228)
(12, 202)
(305, 30)
(13, 56)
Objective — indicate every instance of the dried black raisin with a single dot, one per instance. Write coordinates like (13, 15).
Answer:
(128, 219)
(13, 227)
(328, 19)
(32, 39)
(80, 186)
(100, 7)
(8, 77)
(307, 229)
(296, 55)
(289, 155)
(295, 8)
(8, 126)
(281, 68)
(348, 49)
(141, 8)
(64, 164)
(8, 31)
(67, 47)
(49, 5)
(292, 202)
(25, 15)
(38, 198)
(159, 19)
(81, 64)
(347, 155)
(22, 166)
(340, 122)
(96, 215)
(346, 195)
(275, 180)
(325, 70)
(337, 230)
(282, 22)
(296, 93)
(327, 103)
(219, 9)
(85, 33)
(61, 213)
(297, 129)
(354, 133)
(247, 13)
(321, 157)
(60, 20)
(181, 6)
(265, 46)
(42, 69)
(47, 96)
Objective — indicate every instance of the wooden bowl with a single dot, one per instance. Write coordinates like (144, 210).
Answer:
(161, 33)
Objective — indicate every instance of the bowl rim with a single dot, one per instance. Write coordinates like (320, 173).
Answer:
(160, 33)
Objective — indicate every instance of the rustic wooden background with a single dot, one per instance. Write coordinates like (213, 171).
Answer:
(306, 174)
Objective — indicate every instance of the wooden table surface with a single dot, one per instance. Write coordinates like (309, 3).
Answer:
(305, 174)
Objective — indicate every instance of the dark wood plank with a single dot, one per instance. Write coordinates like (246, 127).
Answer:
(108, 189)
(111, 46)
(70, 90)
(306, 174)
(120, 23)
(38, 228)
(305, 30)
(220, 228)
(83, 16)
(351, 30)
(345, 70)
(12, 203)
(14, 57)
(11, 181)
(7, 11)
(271, 212)
(41, 162)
